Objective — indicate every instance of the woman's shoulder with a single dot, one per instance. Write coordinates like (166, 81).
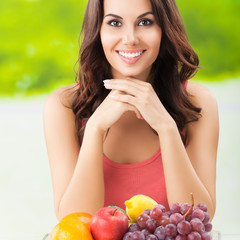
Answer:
(61, 97)
(59, 103)
(200, 95)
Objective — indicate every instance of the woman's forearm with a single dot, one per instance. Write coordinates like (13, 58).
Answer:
(85, 192)
(180, 176)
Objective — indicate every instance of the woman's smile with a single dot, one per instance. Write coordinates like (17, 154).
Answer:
(130, 56)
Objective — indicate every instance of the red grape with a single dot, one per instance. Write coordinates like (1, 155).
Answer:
(194, 236)
(181, 237)
(151, 225)
(161, 207)
(202, 206)
(185, 207)
(151, 237)
(157, 212)
(198, 213)
(145, 232)
(137, 235)
(164, 220)
(160, 232)
(127, 236)
(184, 227)
(206, 236)
(206, 218)
(147, 211)
(176, 218)
(197, 225)
(141, 221)
(175, 207)
(133, 227)
(171, 230)
(208, 227)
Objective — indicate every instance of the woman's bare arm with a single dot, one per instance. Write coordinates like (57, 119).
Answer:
(193, 169)
(77, 176)
(187, 170)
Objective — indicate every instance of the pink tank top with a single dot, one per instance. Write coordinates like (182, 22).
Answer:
(123, 181)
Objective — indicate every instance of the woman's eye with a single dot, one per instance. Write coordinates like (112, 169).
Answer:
(145, 22)
(114, 23)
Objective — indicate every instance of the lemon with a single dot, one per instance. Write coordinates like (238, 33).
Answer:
(137, 204)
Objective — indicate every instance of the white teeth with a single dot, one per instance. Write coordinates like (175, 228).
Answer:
(130, 55)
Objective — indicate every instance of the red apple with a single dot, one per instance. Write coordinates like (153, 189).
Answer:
(109, 223)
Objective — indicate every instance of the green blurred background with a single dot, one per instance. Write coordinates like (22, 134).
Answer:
(39, 41)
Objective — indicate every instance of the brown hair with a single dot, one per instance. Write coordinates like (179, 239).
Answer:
(176, 63)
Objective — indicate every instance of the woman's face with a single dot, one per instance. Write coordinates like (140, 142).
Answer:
(130, 37)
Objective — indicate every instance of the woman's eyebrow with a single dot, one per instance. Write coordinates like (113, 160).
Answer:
(116, 16)
(145, 14)
(113, 15)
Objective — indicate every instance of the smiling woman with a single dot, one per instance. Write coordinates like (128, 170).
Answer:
(127, 37)
(133, 124)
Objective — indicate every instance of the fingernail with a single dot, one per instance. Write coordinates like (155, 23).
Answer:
(106, 81)
(112, 96)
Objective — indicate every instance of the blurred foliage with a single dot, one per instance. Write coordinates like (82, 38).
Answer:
(39, 41)
(213, 31)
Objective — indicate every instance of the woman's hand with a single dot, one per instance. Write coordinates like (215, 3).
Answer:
(109, 112)
(142, 96)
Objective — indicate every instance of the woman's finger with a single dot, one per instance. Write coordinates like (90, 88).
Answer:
(124, 98)
(131, 79)
(134, 109)
(114, 94)
(124, 88)
(123, 85)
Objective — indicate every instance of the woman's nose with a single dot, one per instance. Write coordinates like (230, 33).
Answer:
(130, 37)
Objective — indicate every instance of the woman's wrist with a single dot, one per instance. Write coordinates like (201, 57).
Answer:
(169, 125)
(93, 126)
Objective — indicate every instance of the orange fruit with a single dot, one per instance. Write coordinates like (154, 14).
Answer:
(71, 230)
(82, 217)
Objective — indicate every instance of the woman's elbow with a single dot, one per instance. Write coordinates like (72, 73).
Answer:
(212, 209)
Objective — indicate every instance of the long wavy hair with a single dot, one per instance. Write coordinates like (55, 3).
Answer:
(175, 64)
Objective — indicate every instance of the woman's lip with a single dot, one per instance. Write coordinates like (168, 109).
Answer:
(130, 51)
(131, 60)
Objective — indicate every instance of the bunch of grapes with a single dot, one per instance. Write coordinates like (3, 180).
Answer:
(182, 222)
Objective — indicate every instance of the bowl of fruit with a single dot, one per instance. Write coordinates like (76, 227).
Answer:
(143, 219)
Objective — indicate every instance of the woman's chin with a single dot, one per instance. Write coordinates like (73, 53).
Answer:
(128, 74)
(141, 74)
